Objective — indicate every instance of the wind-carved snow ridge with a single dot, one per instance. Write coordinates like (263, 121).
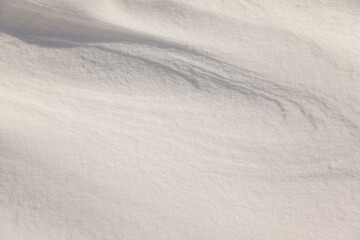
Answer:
(196, 68)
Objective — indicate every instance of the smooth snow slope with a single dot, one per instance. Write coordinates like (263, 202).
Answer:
(179, 119)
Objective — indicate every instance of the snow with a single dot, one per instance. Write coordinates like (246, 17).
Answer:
(169, 119)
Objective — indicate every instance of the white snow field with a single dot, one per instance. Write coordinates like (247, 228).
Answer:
(179, 120)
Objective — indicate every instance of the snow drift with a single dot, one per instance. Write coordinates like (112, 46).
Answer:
(155, 119)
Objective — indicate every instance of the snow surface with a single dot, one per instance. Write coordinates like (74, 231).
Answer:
(179, 119)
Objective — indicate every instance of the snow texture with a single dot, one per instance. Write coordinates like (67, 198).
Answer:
(179, 119)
